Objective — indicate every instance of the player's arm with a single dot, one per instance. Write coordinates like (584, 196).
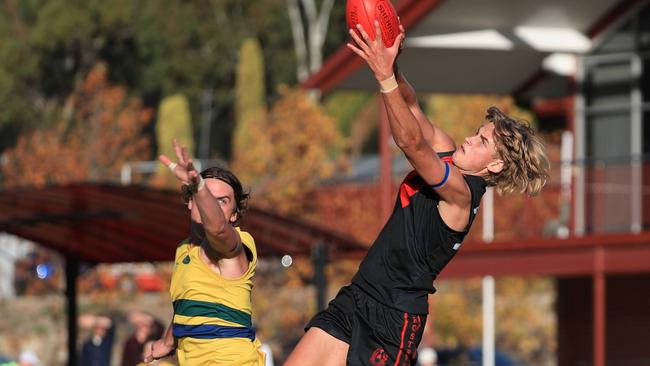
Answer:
(405, 127)
(219, 232)
(222, 237)
(437, 138)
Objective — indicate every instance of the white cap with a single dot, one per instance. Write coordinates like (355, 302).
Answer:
(427, 355)
(28, 357)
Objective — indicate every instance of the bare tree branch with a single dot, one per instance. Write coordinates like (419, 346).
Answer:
(299, 41)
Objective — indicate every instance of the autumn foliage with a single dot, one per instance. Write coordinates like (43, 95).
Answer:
(300, 136)
(100, 129)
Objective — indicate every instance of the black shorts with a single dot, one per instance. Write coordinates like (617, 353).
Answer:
(377, 334)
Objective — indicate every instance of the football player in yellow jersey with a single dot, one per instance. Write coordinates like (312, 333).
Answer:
(212, 279)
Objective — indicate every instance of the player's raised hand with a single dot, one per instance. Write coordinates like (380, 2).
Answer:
(379, 58)
(183, 165)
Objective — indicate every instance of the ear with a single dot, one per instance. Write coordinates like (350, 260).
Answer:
(234, 215)
(495, 167)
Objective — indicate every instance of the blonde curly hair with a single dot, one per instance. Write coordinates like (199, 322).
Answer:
(525, 164)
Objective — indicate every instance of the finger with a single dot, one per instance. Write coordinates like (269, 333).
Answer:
(190, 166)
(178, 152)
(398, 42)
(364, 35)
(165, 160)
(360, 43)
(378, 36)
(357, 51)
(186, 154)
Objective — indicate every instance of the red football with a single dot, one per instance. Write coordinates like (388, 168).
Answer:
(365, 12)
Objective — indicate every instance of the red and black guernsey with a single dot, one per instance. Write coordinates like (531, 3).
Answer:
(414, 246)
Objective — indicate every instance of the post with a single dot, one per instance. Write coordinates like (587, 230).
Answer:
(599, 304)
(488, 282)
(71, 274)
(319, 257)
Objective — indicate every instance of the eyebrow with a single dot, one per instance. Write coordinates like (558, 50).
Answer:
(483, 138)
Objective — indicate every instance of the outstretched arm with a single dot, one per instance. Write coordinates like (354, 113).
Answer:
(405, 127)
(222, 237)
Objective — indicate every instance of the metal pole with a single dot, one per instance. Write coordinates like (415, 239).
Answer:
(488, 283)
(599, 302)
(488, 321)
(206, 122)
(320, 281)
(71, 274)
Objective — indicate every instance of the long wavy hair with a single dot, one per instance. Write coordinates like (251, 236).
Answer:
(525, 164)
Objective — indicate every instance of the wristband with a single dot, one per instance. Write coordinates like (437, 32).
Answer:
(194, 188)
(388, 85)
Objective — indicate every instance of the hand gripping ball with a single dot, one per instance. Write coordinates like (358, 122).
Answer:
(365, 12)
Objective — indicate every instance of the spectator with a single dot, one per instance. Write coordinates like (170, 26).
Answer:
(145, 328)
(96, 350)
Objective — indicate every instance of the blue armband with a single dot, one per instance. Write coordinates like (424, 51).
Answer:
(444, 180)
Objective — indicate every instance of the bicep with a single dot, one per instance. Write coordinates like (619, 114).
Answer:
(436, 172)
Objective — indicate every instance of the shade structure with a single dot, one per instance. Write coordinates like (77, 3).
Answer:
(110, 223)
(484, 46)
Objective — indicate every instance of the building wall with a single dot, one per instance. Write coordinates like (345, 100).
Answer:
(628, 321)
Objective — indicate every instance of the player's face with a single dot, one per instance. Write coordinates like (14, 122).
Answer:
(225, 195)
(478, 154)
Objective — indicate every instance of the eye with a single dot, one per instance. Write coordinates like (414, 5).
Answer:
(222, 201)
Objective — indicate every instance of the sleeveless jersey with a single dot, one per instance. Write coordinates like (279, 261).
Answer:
(212, 315)
(413, 247)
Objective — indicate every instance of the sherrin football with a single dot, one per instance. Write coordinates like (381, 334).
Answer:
(365, 12)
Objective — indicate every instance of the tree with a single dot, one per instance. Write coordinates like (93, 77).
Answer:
(174, 121)
(303, 138)
(100, 130)
(48, 47)
(250, 147)
(309, 29)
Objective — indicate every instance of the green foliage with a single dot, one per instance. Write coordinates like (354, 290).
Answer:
(250, 150)
(153, 48)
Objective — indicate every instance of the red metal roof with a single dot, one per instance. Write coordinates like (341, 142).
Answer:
(111, 223)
